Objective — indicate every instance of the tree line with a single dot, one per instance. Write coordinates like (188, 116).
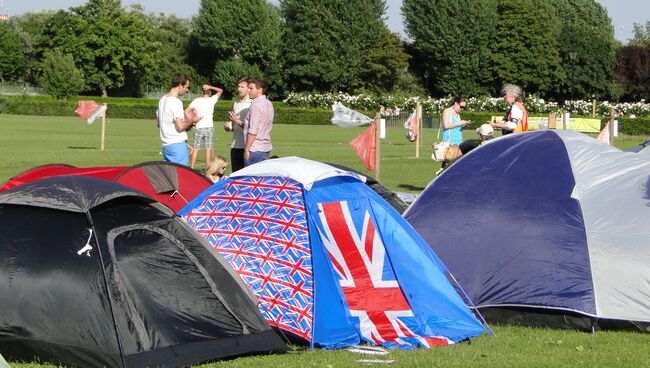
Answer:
(556, 49)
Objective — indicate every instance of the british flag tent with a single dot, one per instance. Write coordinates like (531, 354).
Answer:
(328, 259)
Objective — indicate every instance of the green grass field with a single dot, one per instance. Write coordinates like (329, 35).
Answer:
(29, 141)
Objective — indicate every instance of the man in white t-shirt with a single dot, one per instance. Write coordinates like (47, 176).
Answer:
(174, 122)
(236, 124)
(204, 131)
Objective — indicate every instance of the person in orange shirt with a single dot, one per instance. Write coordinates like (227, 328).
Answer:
(516, 119)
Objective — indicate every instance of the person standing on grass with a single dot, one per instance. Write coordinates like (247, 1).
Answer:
(258, 124)
(174, 122)
(236, 124)
(516, 119)
(204, 132)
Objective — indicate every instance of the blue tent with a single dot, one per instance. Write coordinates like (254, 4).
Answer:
(552, 220)
(328, 259)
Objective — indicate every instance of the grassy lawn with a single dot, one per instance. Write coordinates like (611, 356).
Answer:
(29, 141)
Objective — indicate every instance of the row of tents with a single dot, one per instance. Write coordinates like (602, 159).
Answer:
(101, 271)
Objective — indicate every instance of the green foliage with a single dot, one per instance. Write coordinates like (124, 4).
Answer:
(12, 61)
(585, 30)
(227, 73)
(636, 127)
(525, 51)
(339, 46)
(30, 28)
(170, 37)
(384, 63)
(452, 38)
(244, 30)
(61, 78)
(108, 43)
(641, 35)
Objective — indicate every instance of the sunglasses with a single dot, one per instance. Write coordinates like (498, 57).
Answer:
(462, 107)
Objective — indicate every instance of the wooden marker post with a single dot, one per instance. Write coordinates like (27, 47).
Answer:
(418, 123)
(101, 145)
(551, 121)
(377, 146)
(593, 108)
(611, 127)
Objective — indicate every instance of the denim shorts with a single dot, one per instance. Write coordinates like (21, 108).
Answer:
(176, 153)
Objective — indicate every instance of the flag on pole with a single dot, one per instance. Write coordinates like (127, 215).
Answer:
(89, 110)
(604, 134)
(348, 118)
(411, 126)
(365, 146)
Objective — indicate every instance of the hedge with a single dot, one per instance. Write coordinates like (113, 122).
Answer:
(139, 108)
(146, 109)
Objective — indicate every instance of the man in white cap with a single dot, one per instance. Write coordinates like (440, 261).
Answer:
(485, 133)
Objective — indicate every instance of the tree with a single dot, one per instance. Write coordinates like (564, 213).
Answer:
(525, 50)
(586, 32)
(29, 27)
(171, 43)
(385, 63)
(12, 61)
(245, 30)
(452, 38)
(108, 43)
(61, 78)
(633, 72)
(641, 35)
(338, 45)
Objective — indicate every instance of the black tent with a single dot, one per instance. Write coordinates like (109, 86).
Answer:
(93, 273)
(388, 195)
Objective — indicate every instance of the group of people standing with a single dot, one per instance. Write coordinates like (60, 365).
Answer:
(514, 121)
(250, 121)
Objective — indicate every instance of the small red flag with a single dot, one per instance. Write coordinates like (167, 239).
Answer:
(365, 145)
(86, 107)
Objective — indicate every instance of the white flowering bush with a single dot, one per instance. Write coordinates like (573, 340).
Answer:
(535, 105)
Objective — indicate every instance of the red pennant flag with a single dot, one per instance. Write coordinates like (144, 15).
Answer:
(365, 145)
(604, 134)
(86, 107)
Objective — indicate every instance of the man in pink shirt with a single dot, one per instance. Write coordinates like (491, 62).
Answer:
(258, 124)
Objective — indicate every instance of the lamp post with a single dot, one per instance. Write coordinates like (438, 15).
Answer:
(573, 55)
(426, 80)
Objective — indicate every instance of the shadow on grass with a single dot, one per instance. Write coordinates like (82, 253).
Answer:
(83, 148)
(411, 187)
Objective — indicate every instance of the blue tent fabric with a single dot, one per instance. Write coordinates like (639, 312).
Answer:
(373, 278)
(546, 219)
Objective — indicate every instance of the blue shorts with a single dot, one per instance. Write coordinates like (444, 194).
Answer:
(176, 153)
(255, 157)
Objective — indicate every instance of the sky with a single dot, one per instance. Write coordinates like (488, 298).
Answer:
(624, 13)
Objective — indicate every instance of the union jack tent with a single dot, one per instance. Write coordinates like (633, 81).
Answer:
(328, 259)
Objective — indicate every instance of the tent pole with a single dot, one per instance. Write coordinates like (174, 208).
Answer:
(418, 123)
(103, 130)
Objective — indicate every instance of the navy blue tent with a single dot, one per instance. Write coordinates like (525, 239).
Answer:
(553, 220)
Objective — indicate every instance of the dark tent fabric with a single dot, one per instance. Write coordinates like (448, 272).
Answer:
(170, 184)
(388, 195)
(93, 273)
(551, 221)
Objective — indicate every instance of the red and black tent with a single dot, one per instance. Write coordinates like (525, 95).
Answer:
(168, 183)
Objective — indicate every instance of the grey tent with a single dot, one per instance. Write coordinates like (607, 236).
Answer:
(95, 273)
